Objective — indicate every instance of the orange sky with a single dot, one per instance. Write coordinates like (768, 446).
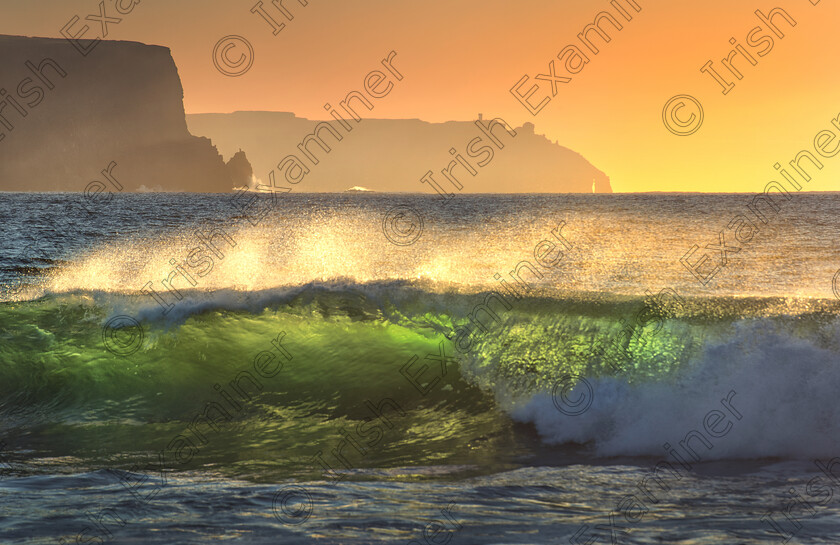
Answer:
(462, 57)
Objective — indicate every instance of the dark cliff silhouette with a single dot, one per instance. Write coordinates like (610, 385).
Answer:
(394, 154)
(65, 117)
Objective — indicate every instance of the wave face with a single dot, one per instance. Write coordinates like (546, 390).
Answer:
(64, 393)
(297, 351)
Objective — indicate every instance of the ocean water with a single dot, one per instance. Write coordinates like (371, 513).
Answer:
(395, 368)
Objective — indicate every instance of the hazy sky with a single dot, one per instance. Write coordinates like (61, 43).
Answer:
(461, 57)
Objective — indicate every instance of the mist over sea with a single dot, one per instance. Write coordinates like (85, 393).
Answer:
(396, 368)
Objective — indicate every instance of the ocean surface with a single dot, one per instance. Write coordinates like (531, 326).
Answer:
(396, 368)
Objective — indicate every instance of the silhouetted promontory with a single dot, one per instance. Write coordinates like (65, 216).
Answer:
(65, 117)
(394, 154)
